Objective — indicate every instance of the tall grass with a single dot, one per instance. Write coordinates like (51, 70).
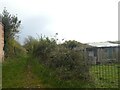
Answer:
(13, 72)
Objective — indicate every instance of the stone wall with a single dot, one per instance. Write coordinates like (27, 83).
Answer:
(1, 42)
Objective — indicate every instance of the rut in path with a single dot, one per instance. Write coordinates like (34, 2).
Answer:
(32, 80)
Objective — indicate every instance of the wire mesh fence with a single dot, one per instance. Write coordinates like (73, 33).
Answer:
(105, 76)
(105, 73)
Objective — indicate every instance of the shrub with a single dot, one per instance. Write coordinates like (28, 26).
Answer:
(43, 49)
(69, 64)
(66, 59)
(14, 49)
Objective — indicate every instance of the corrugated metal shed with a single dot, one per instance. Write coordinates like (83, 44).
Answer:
(103, 44)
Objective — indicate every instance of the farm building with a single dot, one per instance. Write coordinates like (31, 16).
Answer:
(103, 52)
(1, 42)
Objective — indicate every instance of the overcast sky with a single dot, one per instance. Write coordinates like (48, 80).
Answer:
(81, 20)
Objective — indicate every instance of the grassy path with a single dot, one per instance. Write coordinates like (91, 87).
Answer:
(17, 74)
(32, 80)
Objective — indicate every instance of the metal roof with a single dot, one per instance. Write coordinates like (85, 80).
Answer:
(103, 44)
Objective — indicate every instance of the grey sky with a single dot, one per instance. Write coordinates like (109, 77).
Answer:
(81, 20)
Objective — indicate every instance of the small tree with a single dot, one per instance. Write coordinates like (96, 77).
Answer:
(11, 28)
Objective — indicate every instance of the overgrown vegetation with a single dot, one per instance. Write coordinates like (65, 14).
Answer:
(63, 58)
(28, 72)
(43, 63)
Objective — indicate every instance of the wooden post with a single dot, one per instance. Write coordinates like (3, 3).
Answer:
(98, 55)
